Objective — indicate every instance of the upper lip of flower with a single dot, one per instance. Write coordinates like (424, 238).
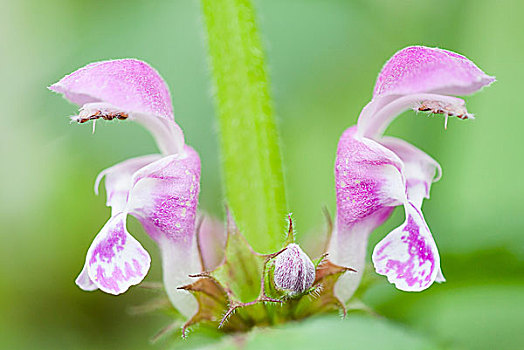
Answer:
(125, 88)
(417, 74)
(374, 172)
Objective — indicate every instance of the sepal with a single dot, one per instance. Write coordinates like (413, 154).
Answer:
(241, 292)
(232, 295)
(322, 297)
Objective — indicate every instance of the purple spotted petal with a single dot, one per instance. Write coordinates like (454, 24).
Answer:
(118, 180)
(419, 69)
(128, 84)
(164, 198)
(369, 183)
(420, 170)
(212, 241)
(294, 270)
(115, 261)
(408, 256)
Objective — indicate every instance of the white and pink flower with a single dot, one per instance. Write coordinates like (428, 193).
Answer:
(375, 173)
(160, 190)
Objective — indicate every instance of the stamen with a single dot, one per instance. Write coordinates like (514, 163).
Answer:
(166, 132)
(379, 113)
(449, 110)
(94, 111)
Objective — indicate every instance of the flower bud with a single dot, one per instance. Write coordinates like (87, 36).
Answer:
(294, 271)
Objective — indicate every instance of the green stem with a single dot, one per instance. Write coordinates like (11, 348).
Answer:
(251, 160)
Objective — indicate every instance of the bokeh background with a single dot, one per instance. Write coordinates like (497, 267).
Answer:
(324, 57)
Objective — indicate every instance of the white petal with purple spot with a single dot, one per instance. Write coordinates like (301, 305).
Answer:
(408, 255)
(115, 261)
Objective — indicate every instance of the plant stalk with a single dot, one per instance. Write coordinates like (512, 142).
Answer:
(251, 159)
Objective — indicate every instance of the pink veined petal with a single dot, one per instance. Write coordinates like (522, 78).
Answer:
(368, 178)
(118, 180)
(419, 69)
(212, 242)
(128, 84)
(408, 255)
(115, 261)
(369, 183)
(164, 198)
(420, 170)
(122, 89)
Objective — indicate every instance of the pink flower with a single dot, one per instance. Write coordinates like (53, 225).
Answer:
(160, 190)
(375, 173)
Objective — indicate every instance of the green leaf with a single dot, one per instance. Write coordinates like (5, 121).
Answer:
(241, 271)
(332, 333)
(480, 317)
(232, 297)
(251, 159)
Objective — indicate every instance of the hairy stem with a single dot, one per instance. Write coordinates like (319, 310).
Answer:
(251, 159)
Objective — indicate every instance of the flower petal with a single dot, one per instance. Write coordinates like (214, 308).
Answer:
(164, 198)
(348, 248)
(440, 277)
(369, 183)
(122, 89)
(212, 242)
(421, 78)
(115, 261)
(408, 255)
(420, 170)
(118, 180)
(179, 261)
(127, 84)
(368, 178)
(84, 281)
(419, 69)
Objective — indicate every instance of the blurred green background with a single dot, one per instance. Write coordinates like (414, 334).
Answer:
(324, 57)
